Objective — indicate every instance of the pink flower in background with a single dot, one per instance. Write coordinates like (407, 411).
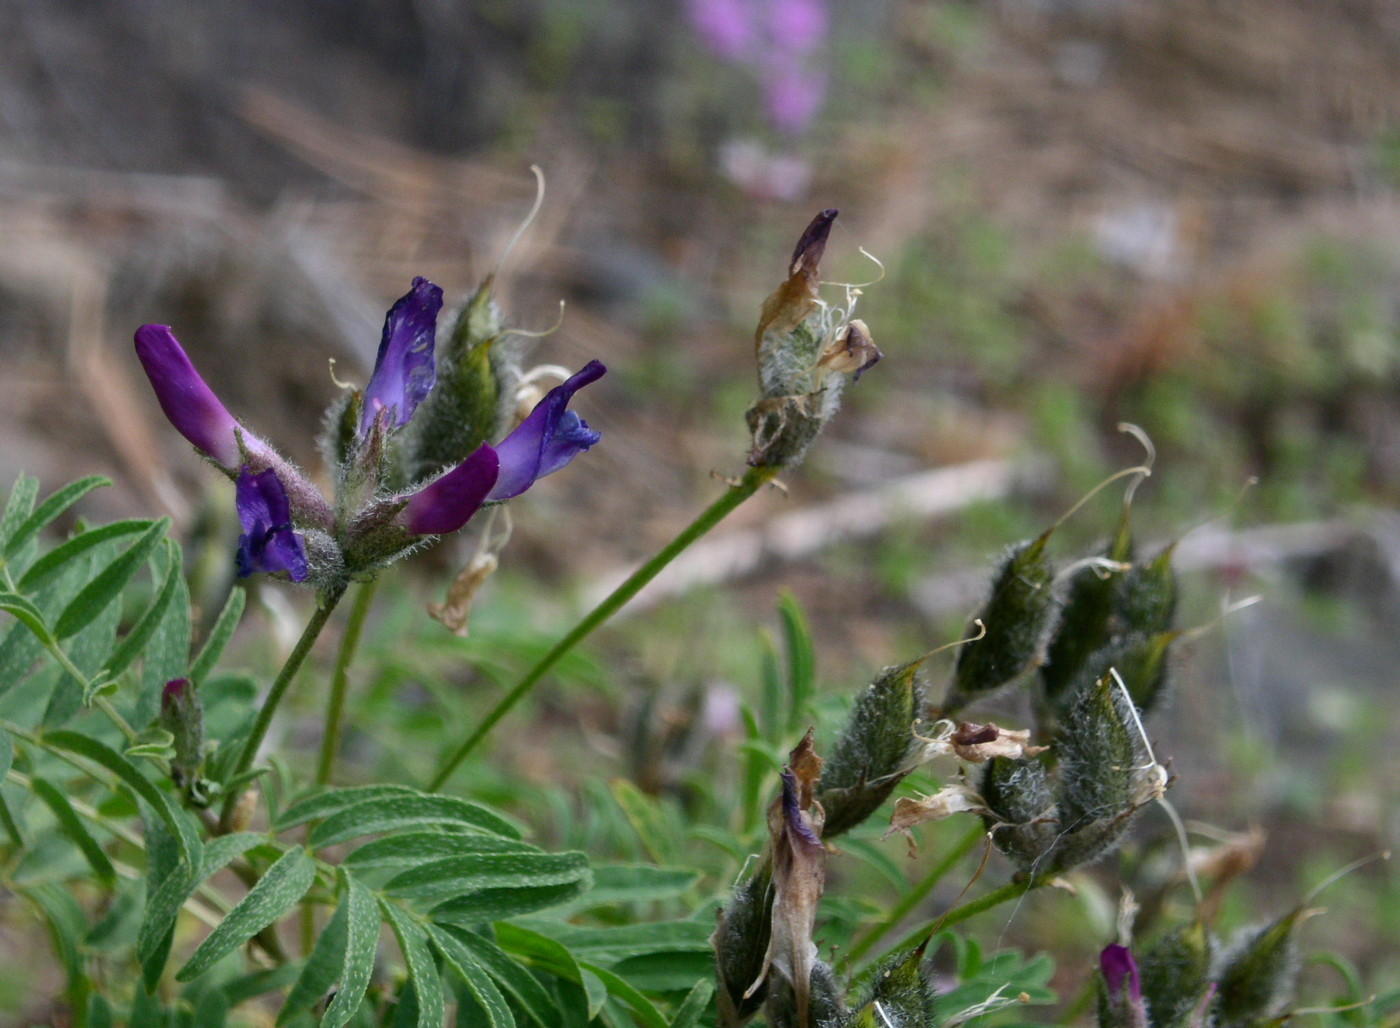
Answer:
(781, 41)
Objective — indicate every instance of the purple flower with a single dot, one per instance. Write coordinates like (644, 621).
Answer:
(793, 94)
(548, 439)
(726, 25)
(187, 401)
(268, 542)
(1125, 1007)
(404, 371)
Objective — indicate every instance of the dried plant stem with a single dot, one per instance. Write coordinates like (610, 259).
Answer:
(335, 702)
(753, 480)
(916, 895)
(253, 743)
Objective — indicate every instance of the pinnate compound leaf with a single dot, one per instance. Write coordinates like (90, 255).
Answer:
(186, 841)
(52, 563)
(422, 970)
(361, 944)
(285, 882)
(219, 636)
(49, 510)
(695, 1004)
(413, 810)
(107, 585)
(532, 997)
(73, 827)
(333, 801)
(322, 967)
(462, 963)
(456, 876)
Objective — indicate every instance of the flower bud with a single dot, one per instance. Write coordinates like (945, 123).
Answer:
(182, 715)
(1259, 973)
(875, 750)
(1120, 990)
(1016, 617)
(902, 995)
(1086, 619)
(1175, 975)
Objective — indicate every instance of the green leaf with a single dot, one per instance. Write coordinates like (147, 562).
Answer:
(19, 504)
(634, 883)
(109, 582)
(285, 882)
(622, 941)
(410, 849)
(100, 753)
(498, 904)
(333, 801)
(695, 1005)
(135, 640)
(422, 971)
(595, 990)
(394, 813)
(219, 635)
(478, 982)
(53, 562)
(321, 969)
(72, 826)
(7, 753)
(524, 988)
(455, 876)
(66, 926)
(167, 653)
(29, 615)
(539, 951)
(645, 1010)
(50, 509)
(647, 820)
(361, 944)
(256, 983)
(801, 660)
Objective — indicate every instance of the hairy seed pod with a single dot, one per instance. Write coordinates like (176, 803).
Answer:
(1022, 818)
(740, 941)
(1259, 973)
(1176, 974)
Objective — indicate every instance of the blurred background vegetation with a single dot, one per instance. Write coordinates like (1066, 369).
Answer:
(1181, 214)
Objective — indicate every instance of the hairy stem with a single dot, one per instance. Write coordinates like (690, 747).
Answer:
(335, 702)
(753, 480)
(1010, 891)
(253, 743)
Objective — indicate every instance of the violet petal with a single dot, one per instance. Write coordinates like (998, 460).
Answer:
(448, 503)
(404, 369)
(186, 399)
(268, 543)
(548, 439)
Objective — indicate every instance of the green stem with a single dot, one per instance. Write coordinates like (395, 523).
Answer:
(916, 895)
(1011, 890)
(335, 703)
(753, 480)
(253, 743)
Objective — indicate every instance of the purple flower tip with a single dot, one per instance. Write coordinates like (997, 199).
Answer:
(448, 503)
(174, 691)
(404, 369)
(792, 811)
(187, 401)
(548, 439)
(268, 542)
(1117, 964)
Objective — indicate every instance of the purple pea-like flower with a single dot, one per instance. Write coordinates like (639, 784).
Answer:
(268, 542)
(404, 369)
(186, 399)
(1126, 1008)
(549, 438)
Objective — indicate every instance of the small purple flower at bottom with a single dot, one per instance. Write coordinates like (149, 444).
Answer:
(268, 542)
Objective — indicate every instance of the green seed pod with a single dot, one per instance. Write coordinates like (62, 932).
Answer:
(472, 402)
(1099, 752)
(902, 996)
(875, 749)
(1259, 973)
(1019, 612)
(740, 941)
(1086, 619)
(1022, 819)
(825, 1003)
(1176, 974)
(1141, 660)
(1146, 600)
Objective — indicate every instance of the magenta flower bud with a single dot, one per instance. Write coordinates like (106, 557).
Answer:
(448, 503)
(404, 369)
(268, 542)
(182, 715)
(1121, 1005)
(548, 439)
(186, 399)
